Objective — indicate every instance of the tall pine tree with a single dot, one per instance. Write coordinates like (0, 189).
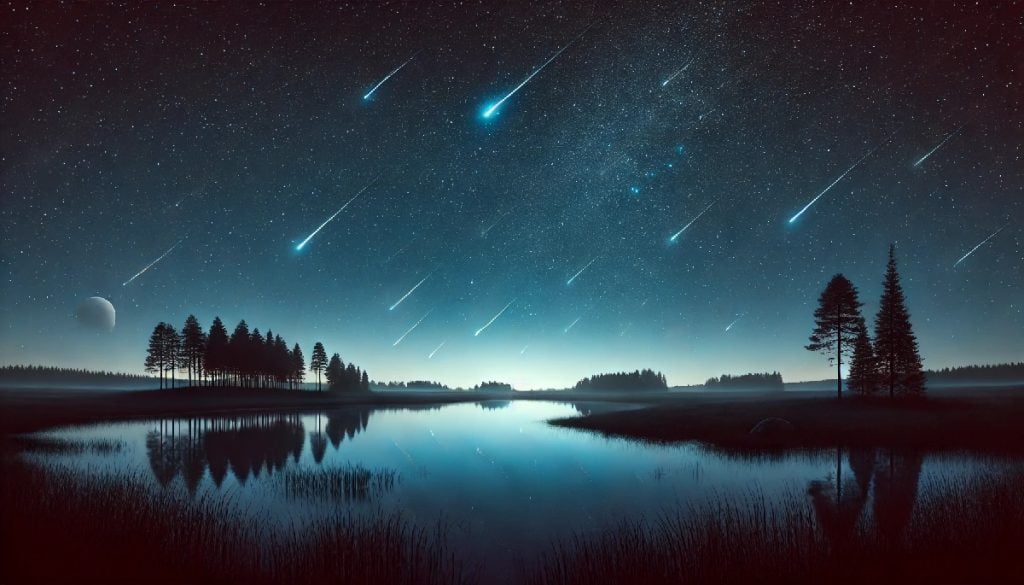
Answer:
(863, 378)
(318, 361)
(835, 324)
(215, 356)
(194, 345)
(899, 363)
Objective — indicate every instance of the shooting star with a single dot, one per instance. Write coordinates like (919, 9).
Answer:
(729, 326)
(568, 282)
(676, 235)
(676, 74)
(964, 257)
(493, 108)
(833, 184)
(406, 295)
(303, 243)
(389, 75)
(483, 234)
(573, 324)
(150, 265)
(493, 319)
(522, 351)
(939, 145)
(415, 325)
(436, 349)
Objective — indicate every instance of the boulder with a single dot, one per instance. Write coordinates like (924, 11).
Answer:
(774, 429)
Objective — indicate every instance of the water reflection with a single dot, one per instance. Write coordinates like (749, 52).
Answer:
(839, 504)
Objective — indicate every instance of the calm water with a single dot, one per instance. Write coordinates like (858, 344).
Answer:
(506, 483)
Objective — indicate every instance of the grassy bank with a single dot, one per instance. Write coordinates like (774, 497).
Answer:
(963, 531)
(990, 421)
(60, 527)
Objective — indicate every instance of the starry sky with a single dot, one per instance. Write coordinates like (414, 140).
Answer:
(228, 132)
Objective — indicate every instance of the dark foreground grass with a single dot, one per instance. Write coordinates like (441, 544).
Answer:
(962, 531)
(60, 527)
(61, 446)
(351, 482)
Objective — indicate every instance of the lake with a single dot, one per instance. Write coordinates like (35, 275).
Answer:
(505, 483)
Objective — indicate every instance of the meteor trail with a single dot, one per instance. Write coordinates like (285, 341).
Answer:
(483, 234)
(328, 220)
(676, 74)
(568, 282)
(150, 265)
(406, 295)
(522, 351)
(573, 324)
(733, 323)
(964, 257)
(826, 190)
(389, 75)
(944, 140)
(491, 109)
(493, 319)
(431, 356)
(415, 325)
(676, 235)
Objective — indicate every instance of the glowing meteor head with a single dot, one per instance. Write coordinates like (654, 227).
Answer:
(489, 111)
(299, 247)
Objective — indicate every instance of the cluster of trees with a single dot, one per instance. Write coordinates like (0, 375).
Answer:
(493, 387)
(891, 360)
(636, 380)
(245, 358)
(50, 373)
(1013, 372)
(766, 381)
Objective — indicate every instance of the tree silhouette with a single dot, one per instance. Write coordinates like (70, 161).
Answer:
(637, 380)
(238, 352)
(194, 345)
(216, 355)
(899, 362)
(836, 324)
(156, 352)
(335, 373)
(318, 361)
(298, 365)
(863, 377)
(173, 352)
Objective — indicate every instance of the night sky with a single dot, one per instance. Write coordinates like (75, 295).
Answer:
(238, 129)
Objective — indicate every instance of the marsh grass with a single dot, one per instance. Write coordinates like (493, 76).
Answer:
(962, 530)
(61, 446)
(351, 482)
(61, 526)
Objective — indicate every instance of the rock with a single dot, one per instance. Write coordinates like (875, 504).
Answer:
(773, 429)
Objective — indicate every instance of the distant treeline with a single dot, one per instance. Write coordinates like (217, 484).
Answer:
(44, 374)
(1013, 372)
(765, 381)
(420, 384)
(637, 380)
(243, 358)
(493, 387)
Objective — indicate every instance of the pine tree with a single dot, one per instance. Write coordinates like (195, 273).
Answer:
(863, 377)
(298, 365)
(194, 343)
(172, 350)
(335, 373)
(215, 356)
(836, 320)
(364, 384)
(899, 362)
(156, 356)
(318, 361)
(238, 350)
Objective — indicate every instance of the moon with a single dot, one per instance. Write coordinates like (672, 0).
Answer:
(96, 314)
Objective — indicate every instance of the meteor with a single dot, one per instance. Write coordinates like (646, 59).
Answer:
(491, 109)
(406, 295)
(573, 324)
(964, 257)
(493, 319)
(676, 235)
(328, 220)
(826, 190)
(939, 145)
(483, 234)
(568, 282)
(415, 325)
(150, 265)
(431, 356)
(522, 351)
(389, 75)
(676, 74)
(733, 323)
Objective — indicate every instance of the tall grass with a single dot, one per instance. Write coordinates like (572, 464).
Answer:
(352, 482)
(62, 446)
(962, 530)
(60, 526)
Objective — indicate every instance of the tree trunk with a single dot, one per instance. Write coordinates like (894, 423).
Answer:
(839, 354)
